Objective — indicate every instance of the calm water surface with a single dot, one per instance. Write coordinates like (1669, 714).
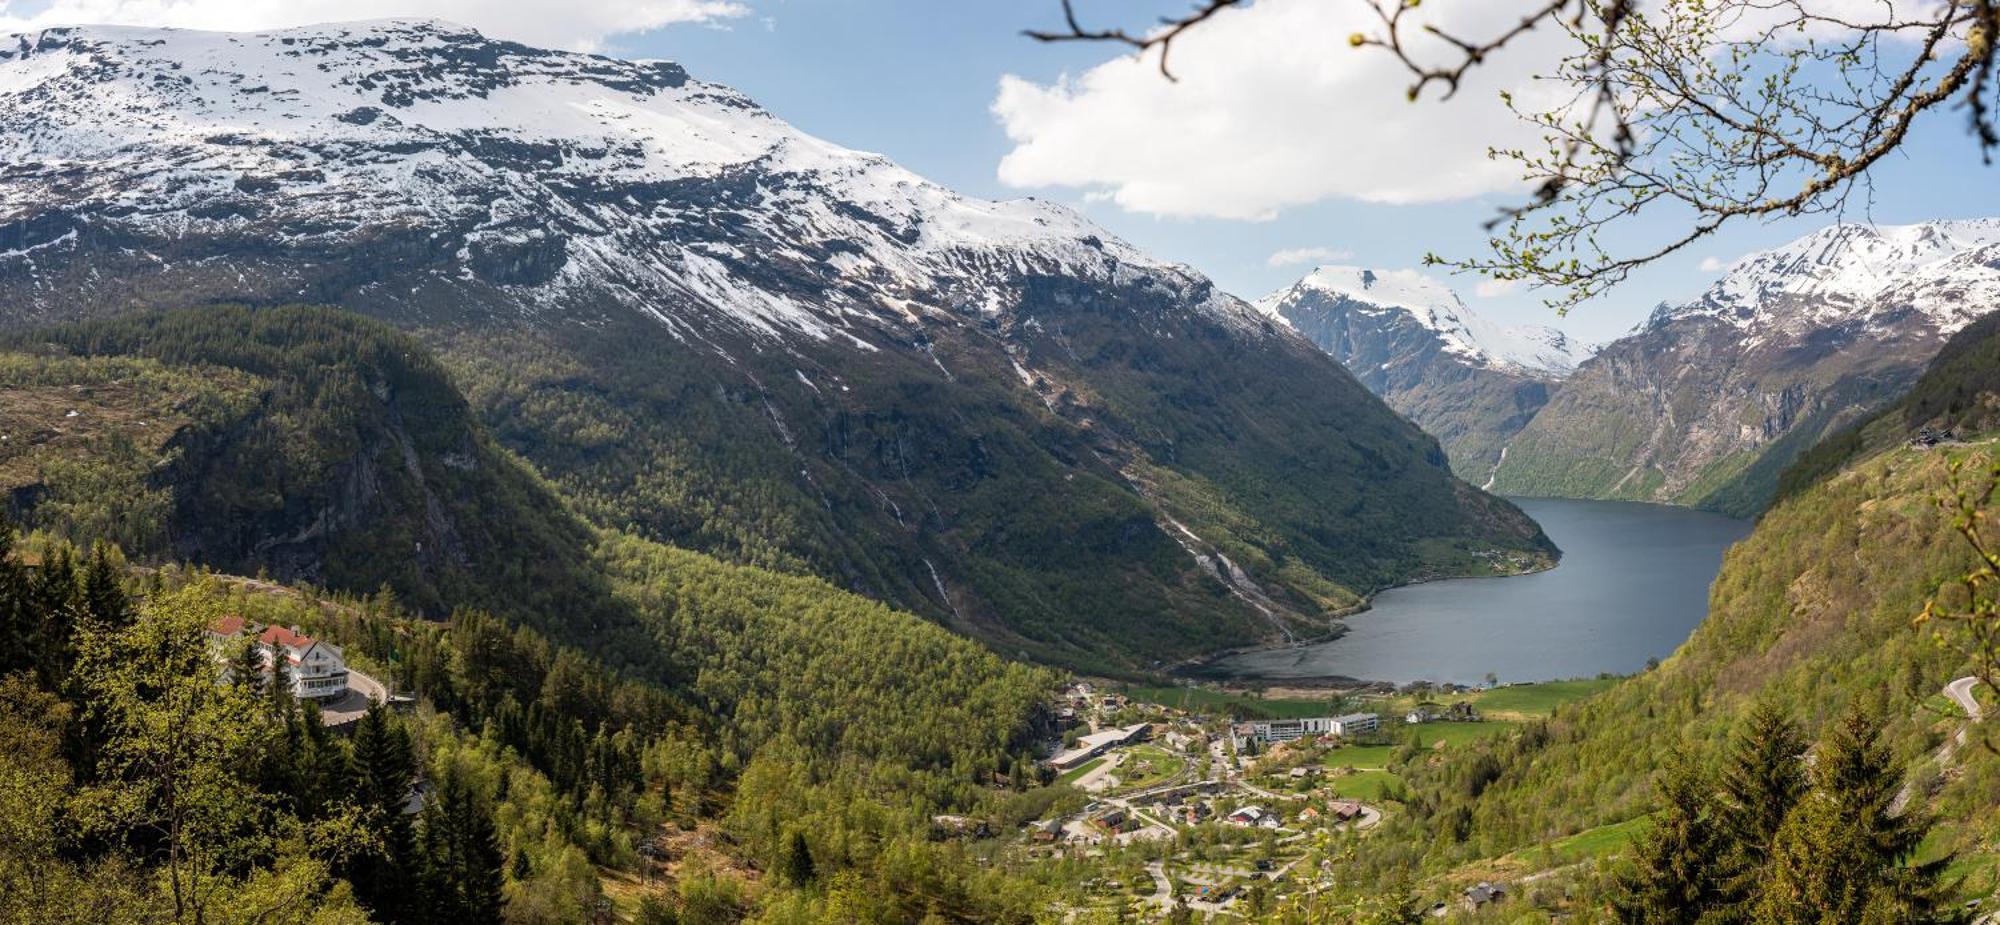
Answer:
(1632, 584)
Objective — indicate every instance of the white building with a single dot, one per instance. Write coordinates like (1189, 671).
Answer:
(1354, 724)
(1288, 730)
(315, 669)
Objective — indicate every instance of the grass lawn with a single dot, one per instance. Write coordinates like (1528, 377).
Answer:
(1363, 785)
(1210, 700)
(1539, 699)
(1164, 765)
(1359, 756)
(1456, 734)
(1070, 776)
(1587, 844)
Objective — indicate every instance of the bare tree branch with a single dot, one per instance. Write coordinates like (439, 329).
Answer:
(1712, 111)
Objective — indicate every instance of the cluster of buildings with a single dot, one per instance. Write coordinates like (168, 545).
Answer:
(1290, 730)
(1460, 712)
(315, 670)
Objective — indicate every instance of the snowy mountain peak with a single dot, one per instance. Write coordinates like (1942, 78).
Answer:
(1846, 273)
(1433, 305)
(566, 179)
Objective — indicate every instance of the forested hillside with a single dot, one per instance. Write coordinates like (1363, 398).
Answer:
(623, 694)
(538, 772)
(1959, 393)
(306, 444)
(1813, 621)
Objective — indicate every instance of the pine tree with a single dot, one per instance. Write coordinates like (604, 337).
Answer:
(799, 867)
(278, 693)
(1761, 783)
(102, 598)
(246, 667)
(1842, 856)
(384, 769)
(462, 855)
(52, 604)
(1676, 874)
(20, 625)
(481, 858)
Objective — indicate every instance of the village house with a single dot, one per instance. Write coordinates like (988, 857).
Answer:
(316, 670)
(1248, 815)
(1478, 897)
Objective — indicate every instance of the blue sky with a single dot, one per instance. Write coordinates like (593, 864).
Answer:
(1283, 121)
(917, 81)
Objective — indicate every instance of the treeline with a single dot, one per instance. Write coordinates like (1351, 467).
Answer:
(335, 449)
(1776, 839)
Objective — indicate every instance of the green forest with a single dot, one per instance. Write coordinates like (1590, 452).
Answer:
(603, 724)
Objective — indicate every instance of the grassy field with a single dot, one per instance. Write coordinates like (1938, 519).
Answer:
(1359, 756)
(1363, 785)
(1531, 700)
(1594, 843)
(1163, 765)
(1519, 702)
(1070, 776)
(1456, 734)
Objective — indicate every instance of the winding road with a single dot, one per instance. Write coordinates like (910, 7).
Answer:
(1960, 691)
(362, 691)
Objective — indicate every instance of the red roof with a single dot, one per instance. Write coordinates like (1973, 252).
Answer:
(227, 626)
(280, 636)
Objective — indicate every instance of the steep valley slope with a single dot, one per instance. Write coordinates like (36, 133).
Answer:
(1815, 612)
(1709, 400)
(716, 331)
(1466, 380)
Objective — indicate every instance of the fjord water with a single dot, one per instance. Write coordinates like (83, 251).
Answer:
(1632, 584)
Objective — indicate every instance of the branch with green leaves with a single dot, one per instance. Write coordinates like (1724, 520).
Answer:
(1969, 604)
(1703, 112)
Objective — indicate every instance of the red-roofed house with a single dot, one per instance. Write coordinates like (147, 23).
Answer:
(317, 669)
(228, 627)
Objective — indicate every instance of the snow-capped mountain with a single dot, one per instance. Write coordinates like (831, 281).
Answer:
(1433, 306)
(1943, 271)
(570, 176)
(1708, 400)
(1467, 380)
(717, 330)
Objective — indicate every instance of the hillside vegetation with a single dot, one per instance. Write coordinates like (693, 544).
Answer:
(305, 444)
(1959, 392)
(1813, 618)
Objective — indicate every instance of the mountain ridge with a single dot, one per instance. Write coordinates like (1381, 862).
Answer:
(1710, 399)
(721, 333)
(1468, 381)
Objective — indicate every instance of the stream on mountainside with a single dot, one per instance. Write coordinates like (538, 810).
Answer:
(1632, 584)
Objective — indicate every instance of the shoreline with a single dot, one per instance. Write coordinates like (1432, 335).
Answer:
(1191, 667)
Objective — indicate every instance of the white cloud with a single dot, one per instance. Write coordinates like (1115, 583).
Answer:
(1495, 288)
(1273, 109)
(1714, 264)
(1296, 255)
(573, 24)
